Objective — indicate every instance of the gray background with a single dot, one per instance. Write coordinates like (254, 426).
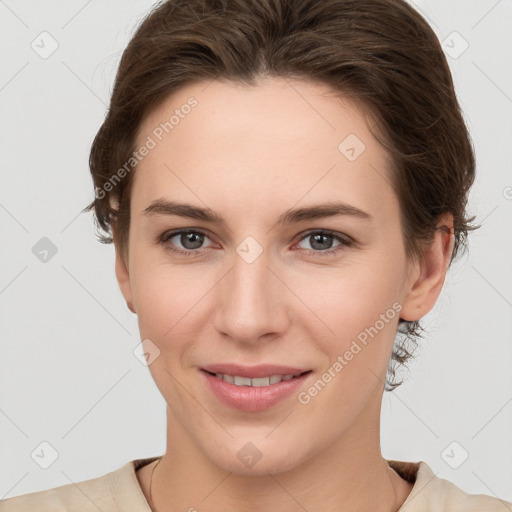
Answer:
(68, 373)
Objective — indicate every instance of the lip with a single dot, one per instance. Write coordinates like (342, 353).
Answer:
(252, 372)
(254, 399)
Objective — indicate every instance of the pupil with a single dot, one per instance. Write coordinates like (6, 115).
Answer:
(191, 240)
(318, 237)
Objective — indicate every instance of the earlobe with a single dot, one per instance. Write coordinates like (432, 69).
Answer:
(123, 279)
(430, 272)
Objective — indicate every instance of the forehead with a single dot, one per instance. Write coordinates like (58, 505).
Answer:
(281, 139)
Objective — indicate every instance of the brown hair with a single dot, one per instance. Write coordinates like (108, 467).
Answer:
(380, 52)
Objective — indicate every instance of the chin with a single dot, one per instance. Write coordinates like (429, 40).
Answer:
(259, 458)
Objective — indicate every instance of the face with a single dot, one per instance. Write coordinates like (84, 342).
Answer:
(265, 279)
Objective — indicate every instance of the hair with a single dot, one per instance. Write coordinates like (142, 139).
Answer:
(381, 53)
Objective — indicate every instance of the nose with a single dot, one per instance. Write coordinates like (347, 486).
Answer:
(251, 302)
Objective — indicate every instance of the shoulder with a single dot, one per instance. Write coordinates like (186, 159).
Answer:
(85, 496)
(112, 492)
(433, 494)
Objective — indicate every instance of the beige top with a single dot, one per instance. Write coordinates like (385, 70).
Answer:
(120, 491)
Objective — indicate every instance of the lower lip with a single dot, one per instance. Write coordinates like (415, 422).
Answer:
(253, 399)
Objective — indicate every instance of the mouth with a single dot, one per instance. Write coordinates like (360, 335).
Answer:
(254, 389)
(256, 382)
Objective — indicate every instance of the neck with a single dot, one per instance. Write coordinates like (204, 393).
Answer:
(349, 475)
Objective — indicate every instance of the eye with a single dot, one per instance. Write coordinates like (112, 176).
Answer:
(322, 242)
(190, 240)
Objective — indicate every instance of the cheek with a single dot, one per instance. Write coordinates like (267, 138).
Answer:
(347, 300)
(165, 298)
(173, 305)
(361, 307)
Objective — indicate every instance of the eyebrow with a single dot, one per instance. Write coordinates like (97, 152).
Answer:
(329, 209)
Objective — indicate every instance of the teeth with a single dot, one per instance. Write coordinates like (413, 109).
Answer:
(262, 381)
(275, 379)
(257, 382)
(242, 381)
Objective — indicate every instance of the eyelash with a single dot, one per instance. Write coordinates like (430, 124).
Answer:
(345, 241)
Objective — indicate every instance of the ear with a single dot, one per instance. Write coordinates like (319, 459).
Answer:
(429, 272)
(123, 279)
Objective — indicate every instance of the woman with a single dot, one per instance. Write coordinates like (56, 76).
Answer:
(285, 182)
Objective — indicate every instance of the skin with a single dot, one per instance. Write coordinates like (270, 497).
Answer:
(249, 154)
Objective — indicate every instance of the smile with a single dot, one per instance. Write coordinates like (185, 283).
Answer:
(256, 382)
(260, 389)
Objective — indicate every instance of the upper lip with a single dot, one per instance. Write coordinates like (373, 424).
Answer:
(261, 370)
